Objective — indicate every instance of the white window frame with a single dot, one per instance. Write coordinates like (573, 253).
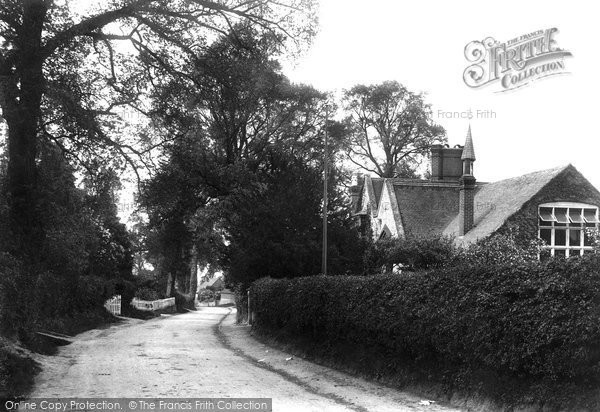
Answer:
(566, 227)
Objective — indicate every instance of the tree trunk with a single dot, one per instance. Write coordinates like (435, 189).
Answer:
(22, 114)
(170, 283)
(192, 281)
(194, 273)
(22, 150)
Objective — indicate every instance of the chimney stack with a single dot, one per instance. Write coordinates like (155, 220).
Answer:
(355, 189)
(436, 162)
(446, 163)
(467, 188)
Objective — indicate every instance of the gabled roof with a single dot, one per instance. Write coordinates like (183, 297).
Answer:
(215, 281)
(495, 202)
(377, 188)
(369, 191)
(395, 209)
(425, 208)
(371, 188)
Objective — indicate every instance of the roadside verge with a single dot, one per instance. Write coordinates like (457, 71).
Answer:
(354, 392)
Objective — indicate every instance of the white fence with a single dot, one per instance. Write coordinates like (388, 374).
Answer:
(113, 305)
(152, 305)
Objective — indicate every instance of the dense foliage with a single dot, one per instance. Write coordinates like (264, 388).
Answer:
(532, 319)
(241, 186)
(389, 255)
(501, 248)
(68, 74)
(84, 258)
(423, 253)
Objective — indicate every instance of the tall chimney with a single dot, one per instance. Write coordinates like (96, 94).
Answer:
(355, 189)
(437, 162)
(446, 163)
(467, 188)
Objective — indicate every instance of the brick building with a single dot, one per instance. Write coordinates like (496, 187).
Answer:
(558, 205)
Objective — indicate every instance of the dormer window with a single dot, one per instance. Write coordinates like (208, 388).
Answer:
(564, 228)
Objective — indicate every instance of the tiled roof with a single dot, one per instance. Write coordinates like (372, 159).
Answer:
(495, 202)
(374, 187)
(211, 282)
(426, 208)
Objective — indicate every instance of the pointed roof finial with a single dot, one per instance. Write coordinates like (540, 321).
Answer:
(468, 151)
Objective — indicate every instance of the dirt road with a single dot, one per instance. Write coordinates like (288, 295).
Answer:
(203, 354)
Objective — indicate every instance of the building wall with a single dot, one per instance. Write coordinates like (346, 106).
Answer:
(569, 186)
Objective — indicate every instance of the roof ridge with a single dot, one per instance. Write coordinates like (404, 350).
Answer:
(556, 170)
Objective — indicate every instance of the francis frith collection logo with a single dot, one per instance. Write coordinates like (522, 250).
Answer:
(514, 63)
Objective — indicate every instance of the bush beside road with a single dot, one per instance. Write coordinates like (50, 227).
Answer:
(516, 333)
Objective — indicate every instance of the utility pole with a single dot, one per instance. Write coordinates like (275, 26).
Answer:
(325, 168)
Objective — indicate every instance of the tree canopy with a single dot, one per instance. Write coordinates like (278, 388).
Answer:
(244, 179)
(71, 75)
(391, 128)
(64, 76)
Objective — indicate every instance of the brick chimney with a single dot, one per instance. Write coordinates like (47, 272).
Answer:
(357, 184)
(446, 163)
(467, 188)
(436, 162)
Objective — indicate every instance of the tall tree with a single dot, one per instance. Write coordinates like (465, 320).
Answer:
(231, 109)
(248, 164)
(391, 128)
(63, 77)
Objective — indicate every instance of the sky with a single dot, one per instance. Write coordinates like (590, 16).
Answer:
(421, 44)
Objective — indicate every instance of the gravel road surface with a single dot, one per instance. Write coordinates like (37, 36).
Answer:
(203, 354)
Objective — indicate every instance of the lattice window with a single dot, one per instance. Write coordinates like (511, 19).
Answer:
(564, 228)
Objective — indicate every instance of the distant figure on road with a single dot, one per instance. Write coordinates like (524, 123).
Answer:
(217, 298)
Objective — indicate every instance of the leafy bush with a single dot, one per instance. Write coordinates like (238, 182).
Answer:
(14, 295)
(206, 295)
(416, 253)
(145, 293)
(69, 305)
(127, 291)
(500, 248)
(16, 370)
(594, 235)
(525, 319)
(92, 292)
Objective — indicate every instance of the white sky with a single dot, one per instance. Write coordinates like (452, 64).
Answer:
(421, 44)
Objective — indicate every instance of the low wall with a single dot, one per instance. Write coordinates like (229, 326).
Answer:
(161, 305)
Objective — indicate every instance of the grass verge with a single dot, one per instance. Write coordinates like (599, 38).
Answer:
(17, 369)
(460, 385)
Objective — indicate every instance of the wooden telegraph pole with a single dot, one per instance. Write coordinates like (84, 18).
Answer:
(325, 167)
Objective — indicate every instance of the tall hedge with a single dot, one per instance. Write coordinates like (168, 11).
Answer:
(526, 319)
